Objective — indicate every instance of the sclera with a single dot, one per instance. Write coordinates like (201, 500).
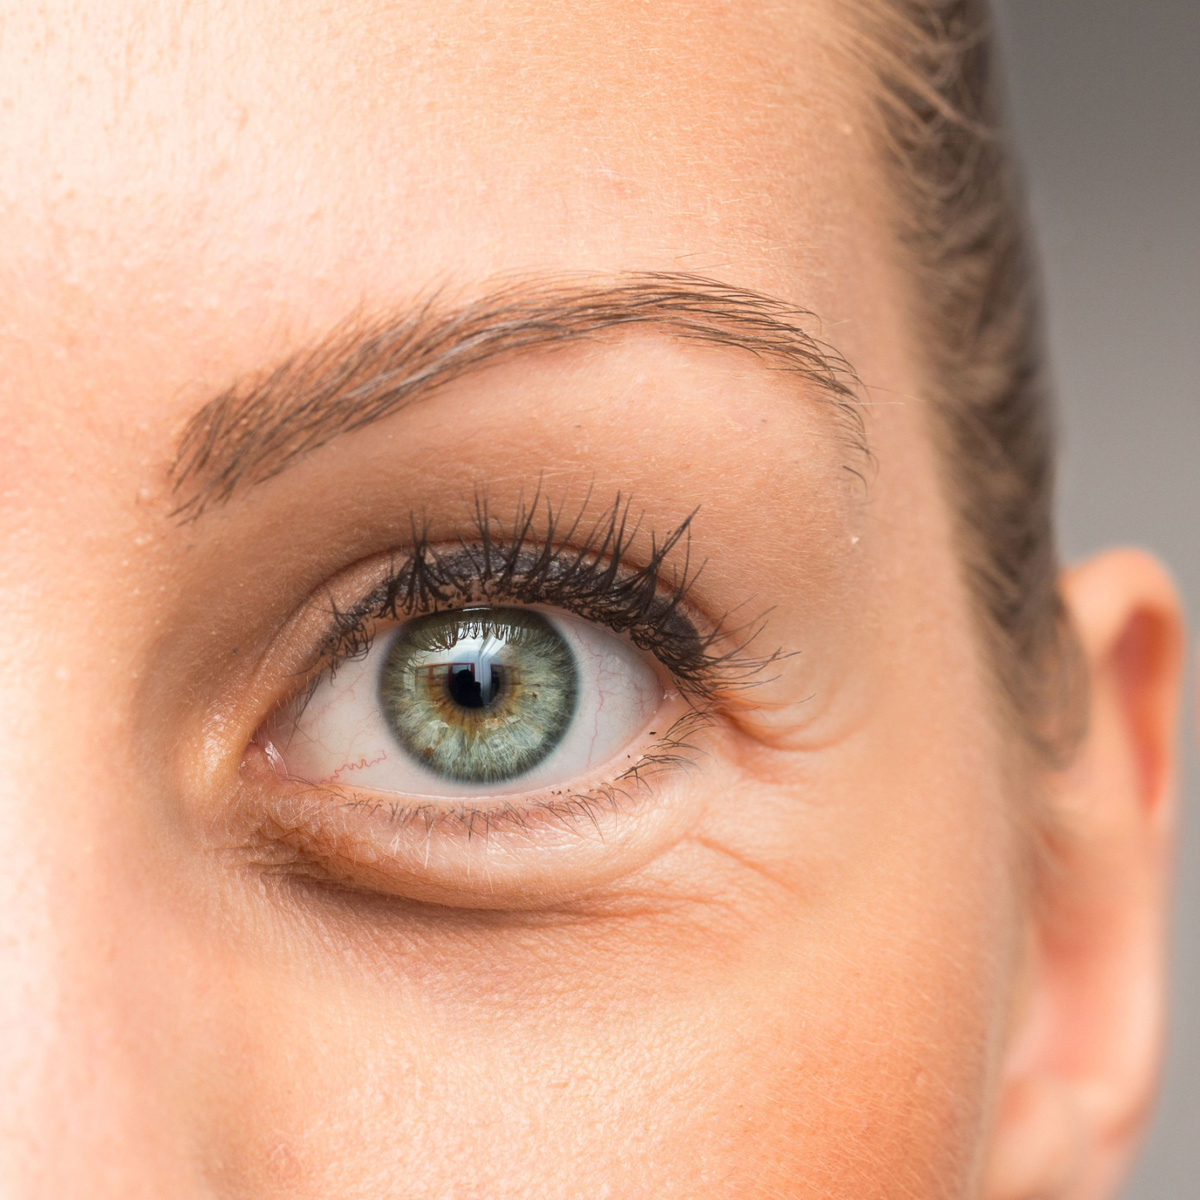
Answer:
(337, 736)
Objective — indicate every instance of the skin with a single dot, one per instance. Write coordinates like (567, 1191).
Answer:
(839, 968)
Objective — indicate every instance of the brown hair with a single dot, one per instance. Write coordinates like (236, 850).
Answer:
(976, 312)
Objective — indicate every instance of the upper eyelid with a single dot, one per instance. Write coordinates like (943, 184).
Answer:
(591, 576)
(538, 556)
(379, 604)
(710, 660)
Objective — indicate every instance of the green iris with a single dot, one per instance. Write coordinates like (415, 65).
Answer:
(479, 696)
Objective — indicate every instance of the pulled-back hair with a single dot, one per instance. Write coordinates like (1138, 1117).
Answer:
(976, 319)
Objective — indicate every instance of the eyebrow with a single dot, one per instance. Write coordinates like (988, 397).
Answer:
(369, 368)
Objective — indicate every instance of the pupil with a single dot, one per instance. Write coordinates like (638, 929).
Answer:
(464, 690)
(467, 692)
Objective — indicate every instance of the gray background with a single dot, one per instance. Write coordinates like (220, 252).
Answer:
(1105, 101)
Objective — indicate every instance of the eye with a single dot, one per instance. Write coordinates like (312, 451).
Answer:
(540, 738)
(482, 702)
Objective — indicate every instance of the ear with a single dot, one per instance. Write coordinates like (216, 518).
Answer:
(1082, 1061)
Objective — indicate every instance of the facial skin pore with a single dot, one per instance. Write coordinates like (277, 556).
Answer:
(822, 972)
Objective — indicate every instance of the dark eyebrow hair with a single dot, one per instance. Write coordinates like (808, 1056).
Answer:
(369, 368)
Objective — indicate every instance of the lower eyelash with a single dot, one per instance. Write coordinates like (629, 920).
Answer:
(675, 750)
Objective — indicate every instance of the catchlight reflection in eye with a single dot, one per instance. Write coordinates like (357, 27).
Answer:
(483, 701)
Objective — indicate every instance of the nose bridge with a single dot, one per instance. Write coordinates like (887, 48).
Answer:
(86, 1023)
(94, 955)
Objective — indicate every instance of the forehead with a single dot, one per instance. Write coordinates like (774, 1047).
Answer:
(191, 192)
(226, 150)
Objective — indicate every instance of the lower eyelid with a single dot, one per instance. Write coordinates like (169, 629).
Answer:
(522, 854)
(677, 745)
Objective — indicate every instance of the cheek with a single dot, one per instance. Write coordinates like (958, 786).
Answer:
(850, 1053)
(740, 1044)
(868, 1078)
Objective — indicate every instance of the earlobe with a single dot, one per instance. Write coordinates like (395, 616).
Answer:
(1082, 1057)
(1039, 1140)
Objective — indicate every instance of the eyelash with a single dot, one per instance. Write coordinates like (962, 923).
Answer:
(581, 567)
(673, 750)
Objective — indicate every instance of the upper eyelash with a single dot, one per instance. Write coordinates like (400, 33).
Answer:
(575, 565)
